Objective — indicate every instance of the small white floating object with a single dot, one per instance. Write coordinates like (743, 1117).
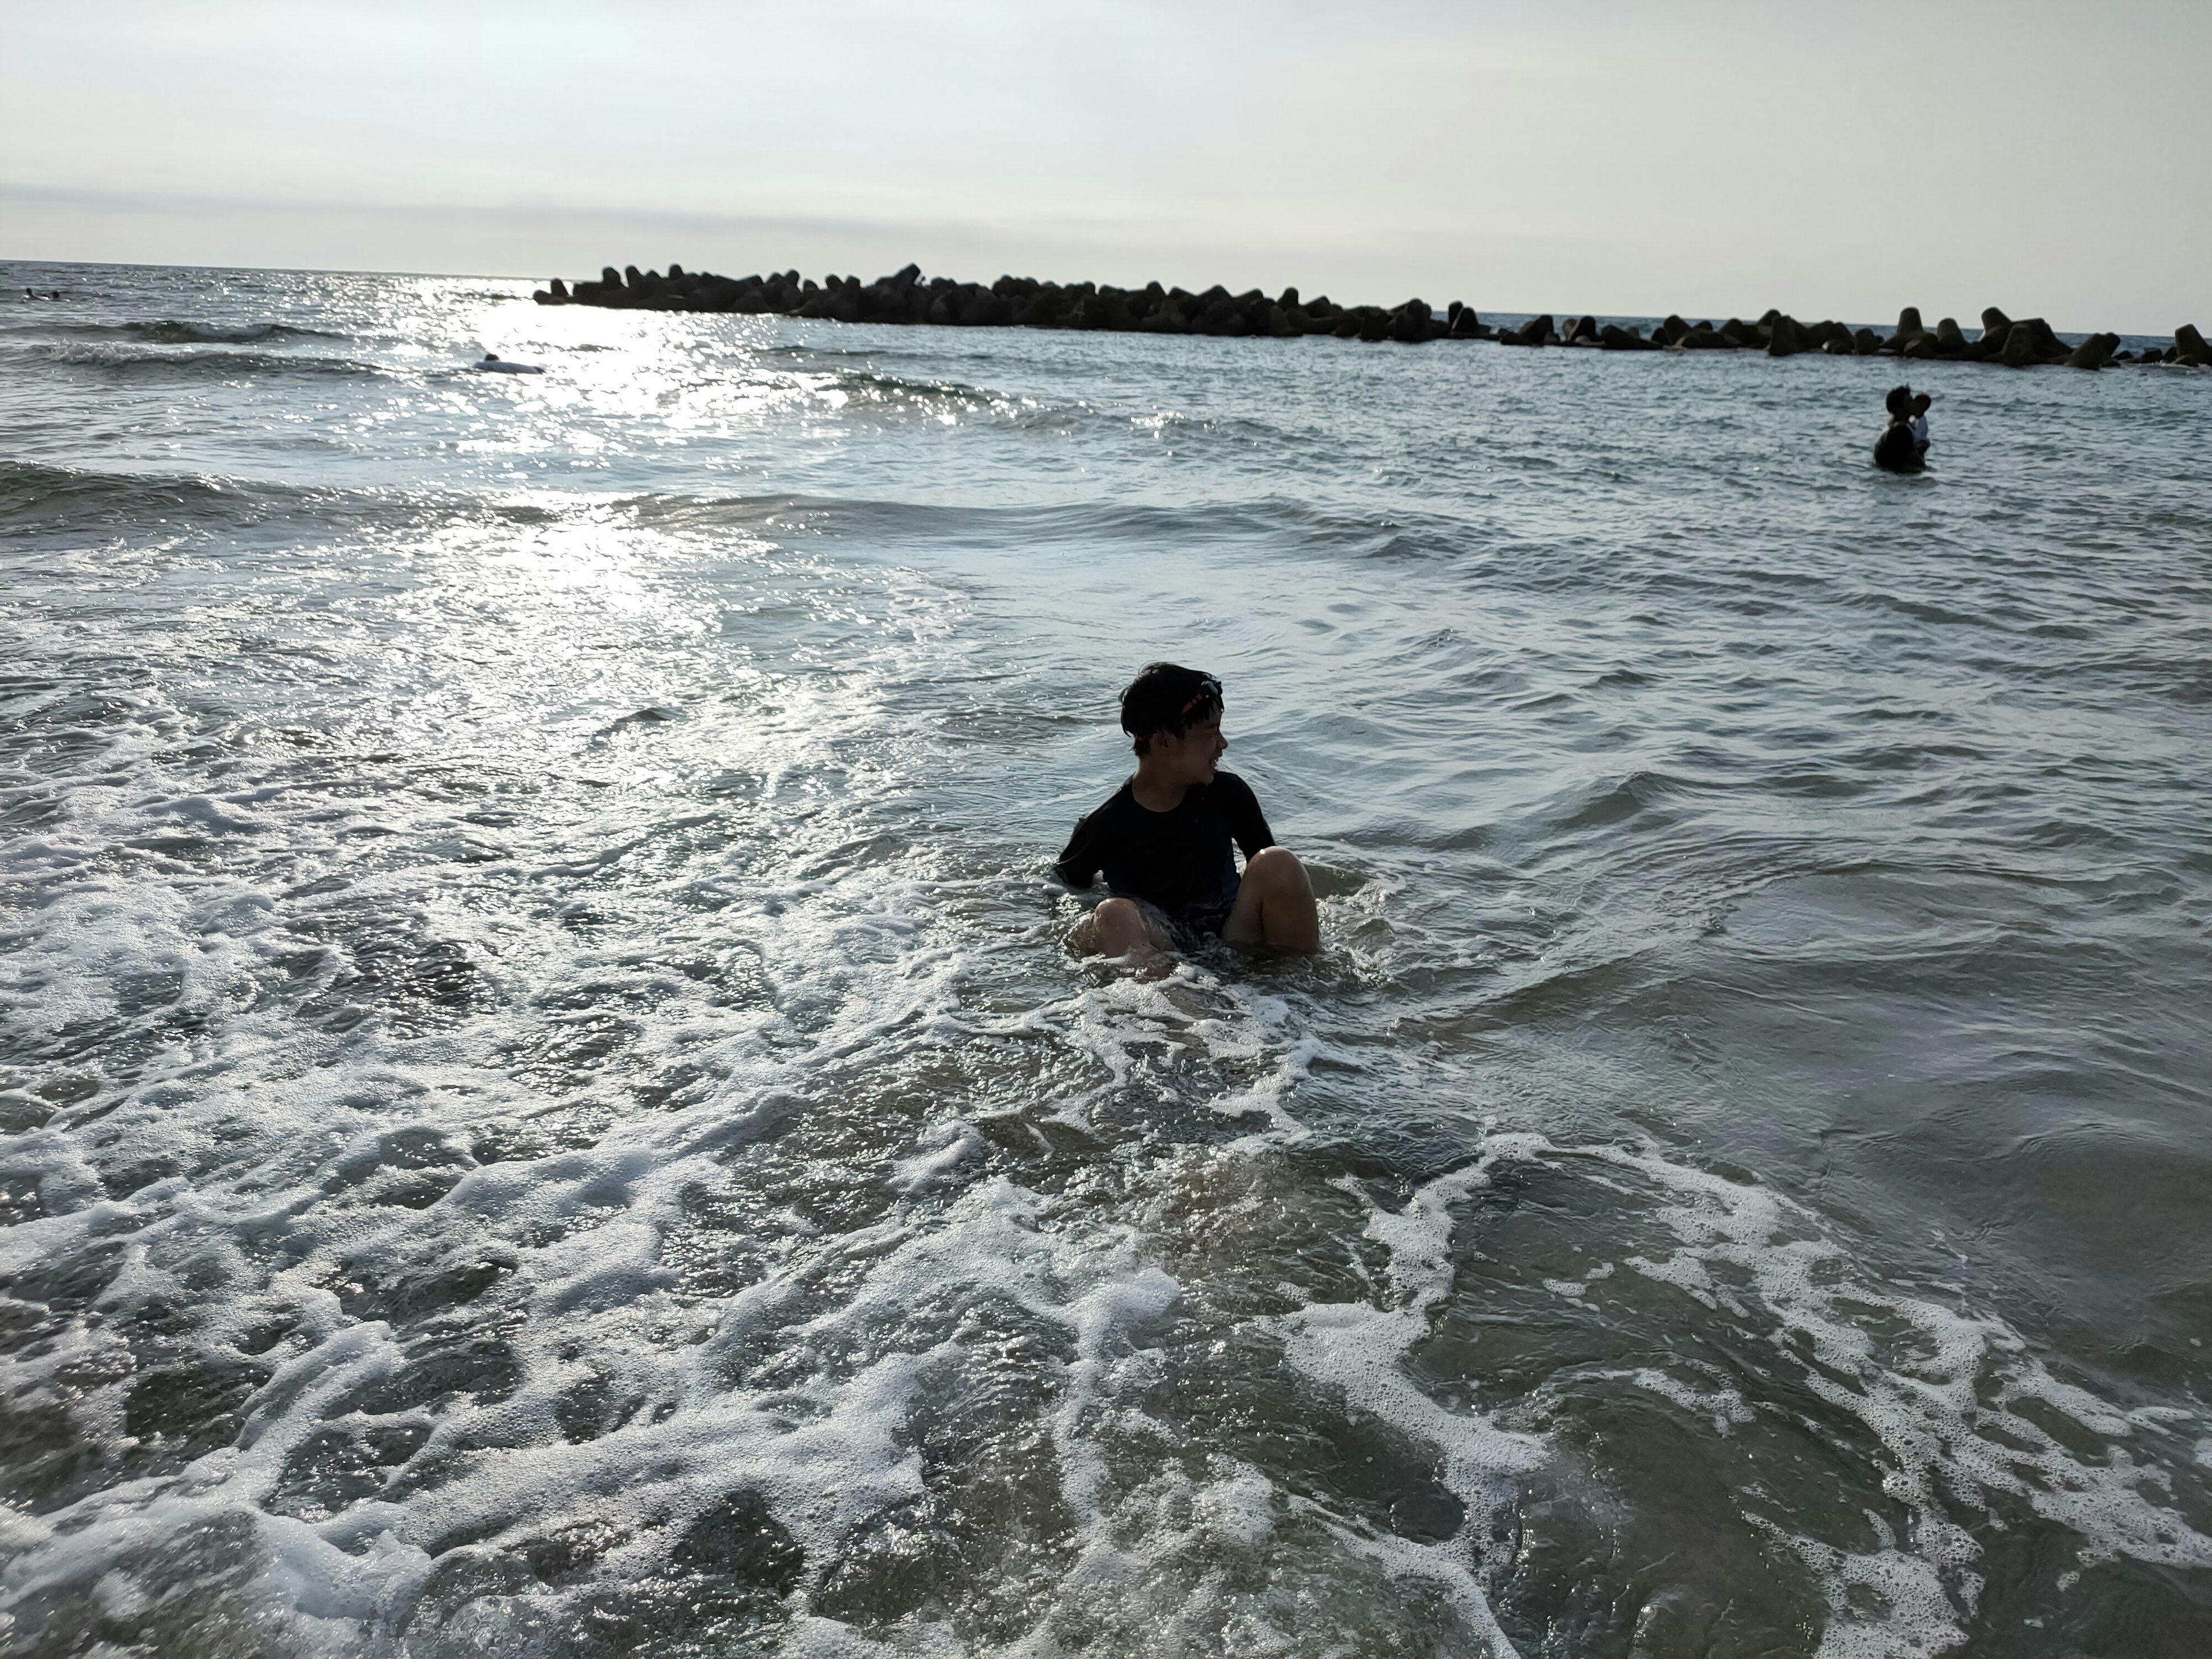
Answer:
(493, 364)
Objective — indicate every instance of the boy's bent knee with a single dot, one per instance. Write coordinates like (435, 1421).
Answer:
(1276, 907)
(1120, 927)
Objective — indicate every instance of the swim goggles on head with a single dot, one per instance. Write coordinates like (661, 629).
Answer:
(1209, 690)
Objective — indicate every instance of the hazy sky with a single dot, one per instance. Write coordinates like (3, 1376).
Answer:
(1836, 160)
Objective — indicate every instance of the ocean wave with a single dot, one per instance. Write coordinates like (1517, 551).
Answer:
(877, 389)
(1275, 527)
(169, 332)
(868, 390)
(37, 499)
(31, 495)
(874, 386)
(180, 333)
(871, 394)
(123, 359)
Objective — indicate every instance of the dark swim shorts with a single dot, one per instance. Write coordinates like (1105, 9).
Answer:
(1191, 929)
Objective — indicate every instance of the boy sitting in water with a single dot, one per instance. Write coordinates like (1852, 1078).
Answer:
(1163, 840)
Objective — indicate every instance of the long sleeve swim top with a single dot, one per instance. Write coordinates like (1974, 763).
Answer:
(1180, 859)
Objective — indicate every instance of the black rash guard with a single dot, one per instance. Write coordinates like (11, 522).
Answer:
(1177, 860)
(1897, 451)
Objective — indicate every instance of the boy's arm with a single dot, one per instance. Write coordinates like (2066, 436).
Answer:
(1079, 861)
(1248, 823)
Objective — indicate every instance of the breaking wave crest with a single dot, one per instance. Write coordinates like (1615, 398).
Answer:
(134, 359)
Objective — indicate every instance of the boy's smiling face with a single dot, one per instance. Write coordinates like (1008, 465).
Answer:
(1191, 757)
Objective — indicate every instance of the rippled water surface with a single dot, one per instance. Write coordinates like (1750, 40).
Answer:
(548, 1109)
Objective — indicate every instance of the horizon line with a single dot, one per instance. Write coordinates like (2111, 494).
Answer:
(698, 222)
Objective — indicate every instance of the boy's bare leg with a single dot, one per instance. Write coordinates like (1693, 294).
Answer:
(1119, 928)
(1274, 904)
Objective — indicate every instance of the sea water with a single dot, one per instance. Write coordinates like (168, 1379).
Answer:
(550, 1108)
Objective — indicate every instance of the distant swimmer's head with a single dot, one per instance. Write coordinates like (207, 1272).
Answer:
(1168, 700)
(491, 356)
(1900, 401)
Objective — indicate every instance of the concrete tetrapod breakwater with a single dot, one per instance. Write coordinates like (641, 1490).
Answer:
(1025, 303)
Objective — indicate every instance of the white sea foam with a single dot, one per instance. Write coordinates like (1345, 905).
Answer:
(1940, 1392)
(878, 1305)
(942, 1148)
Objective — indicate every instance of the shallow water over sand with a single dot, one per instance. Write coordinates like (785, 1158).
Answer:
(549, 1111)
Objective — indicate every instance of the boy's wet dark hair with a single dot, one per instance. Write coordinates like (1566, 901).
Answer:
(1900, 401)
(1167, 697)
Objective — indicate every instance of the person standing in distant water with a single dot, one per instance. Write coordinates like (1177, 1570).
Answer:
(1163, 841)
(1898, 449)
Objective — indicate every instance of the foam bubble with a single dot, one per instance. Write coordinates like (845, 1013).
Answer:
(942, 1149)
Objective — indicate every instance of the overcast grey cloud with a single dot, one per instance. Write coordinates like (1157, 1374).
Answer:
(1615, 157)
